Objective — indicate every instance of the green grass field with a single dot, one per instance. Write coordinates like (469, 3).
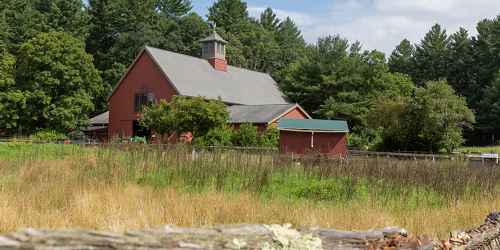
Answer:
(489, 149)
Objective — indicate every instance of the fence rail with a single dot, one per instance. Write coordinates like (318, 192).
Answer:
(478, 158)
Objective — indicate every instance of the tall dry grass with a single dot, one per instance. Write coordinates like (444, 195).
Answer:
(110, 189)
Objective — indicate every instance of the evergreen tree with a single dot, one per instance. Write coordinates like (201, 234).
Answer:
(336, 80)
(174, 8)
(462, 67)
(292, 46)
(487, 48)
(489, 106)
(401, 59)
(192, 29)
(487, 60)
(64, 16)
(269, 20)
(23, 21)
(432, 56)
(228, 14)
(4, 32)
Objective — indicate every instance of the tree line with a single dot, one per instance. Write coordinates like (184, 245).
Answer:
(61, 58)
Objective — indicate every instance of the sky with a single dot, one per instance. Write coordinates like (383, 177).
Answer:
(377, 24)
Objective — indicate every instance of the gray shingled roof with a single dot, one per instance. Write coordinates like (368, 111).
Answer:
(237, 114)
(213, 37)
(257, 113)
(193, 76)
(100, 119)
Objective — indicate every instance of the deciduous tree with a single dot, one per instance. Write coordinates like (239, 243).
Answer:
(185, 114)
(59, 80)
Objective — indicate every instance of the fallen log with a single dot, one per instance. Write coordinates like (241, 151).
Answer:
(486, 236)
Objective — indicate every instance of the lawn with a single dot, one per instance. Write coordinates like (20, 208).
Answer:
(61, 186)
(488, 149)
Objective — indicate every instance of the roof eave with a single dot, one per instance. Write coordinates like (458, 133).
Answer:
(296, 105)
(314, 130)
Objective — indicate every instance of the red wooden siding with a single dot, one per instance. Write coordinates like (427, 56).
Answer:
(143, 75)
(296, 113)
(218, 64)
(333, 144)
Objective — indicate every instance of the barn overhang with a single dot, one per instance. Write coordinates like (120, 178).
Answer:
(313, 126)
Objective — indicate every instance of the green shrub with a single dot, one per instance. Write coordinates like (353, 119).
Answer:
(48, 136)
(139, 139)
(340, 189)
(246, 136)
(216, 137)
(270, 138)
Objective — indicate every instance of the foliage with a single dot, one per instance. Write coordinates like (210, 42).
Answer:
(198, 115)
(12, 101)
(139, 140)
(59, 81)
(120, 29)
(48, 136)
(228, 14)
(431, 56)
(185, 114)
(246, 136)
(219, 136)
(461, 69)
(432, 120)
(401, 59)
(469, 64)
(158, 118)
(338, 81)
(270, 138)
(27, 18)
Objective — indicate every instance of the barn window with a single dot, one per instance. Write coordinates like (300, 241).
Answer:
(141, 100)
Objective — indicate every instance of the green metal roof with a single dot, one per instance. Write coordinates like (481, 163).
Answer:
(314, 125)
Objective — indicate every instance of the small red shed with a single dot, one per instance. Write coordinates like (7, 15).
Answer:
(308, 136)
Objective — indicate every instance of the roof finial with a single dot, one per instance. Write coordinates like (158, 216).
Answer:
(214, 25)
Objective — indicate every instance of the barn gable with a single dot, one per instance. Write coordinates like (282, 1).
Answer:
(264, 114)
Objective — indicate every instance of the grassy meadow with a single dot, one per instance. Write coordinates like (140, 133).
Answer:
(489, 149)
(69, 186)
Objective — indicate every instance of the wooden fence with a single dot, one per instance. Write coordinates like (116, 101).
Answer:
(475, 159)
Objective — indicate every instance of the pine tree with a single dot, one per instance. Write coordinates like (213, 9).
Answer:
(269, 20)
(462, 68)
(23, 21)
(174, 8)
(292, 46)
(432, 56)
(4, 32)
(228, 14)
(64, 16)
(487, 61)
(401, 59)
(487, 47)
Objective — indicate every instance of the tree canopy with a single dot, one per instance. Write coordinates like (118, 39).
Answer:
(431, 120)
(59, 81)
(196, 115)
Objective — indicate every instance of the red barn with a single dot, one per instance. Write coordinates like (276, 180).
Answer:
(325, 137)
(252, 97)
